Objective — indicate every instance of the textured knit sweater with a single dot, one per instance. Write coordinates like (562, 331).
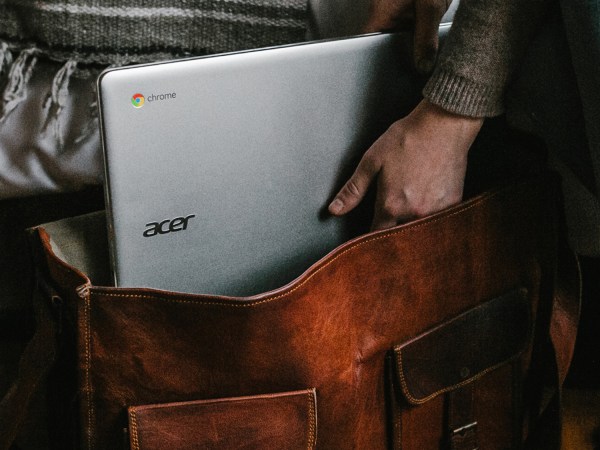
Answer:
(122, 31)
(484, 46)
(555, 93)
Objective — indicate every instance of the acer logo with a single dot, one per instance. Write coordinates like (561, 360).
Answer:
(167, 226)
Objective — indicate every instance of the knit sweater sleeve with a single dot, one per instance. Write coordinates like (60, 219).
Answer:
(486, 42)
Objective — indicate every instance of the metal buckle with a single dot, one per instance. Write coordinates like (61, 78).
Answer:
(464, 438)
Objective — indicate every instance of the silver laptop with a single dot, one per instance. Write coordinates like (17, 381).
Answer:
(219, 169)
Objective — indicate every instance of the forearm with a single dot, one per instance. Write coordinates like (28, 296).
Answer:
(483, 49)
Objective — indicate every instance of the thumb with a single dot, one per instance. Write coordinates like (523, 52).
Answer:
(355, 188)
(428, 14)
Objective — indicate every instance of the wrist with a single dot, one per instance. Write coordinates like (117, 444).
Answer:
(444, 132)
(438, 113)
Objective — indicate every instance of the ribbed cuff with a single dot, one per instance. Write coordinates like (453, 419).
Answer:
(462, 96)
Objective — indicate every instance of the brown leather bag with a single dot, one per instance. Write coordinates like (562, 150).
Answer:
(435, 334)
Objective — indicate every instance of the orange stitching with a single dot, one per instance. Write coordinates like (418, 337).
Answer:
(285, 294)
(403, 380)
(134, 429)
(88, 363)
(312, 419)
(451, 387)
(405, 389)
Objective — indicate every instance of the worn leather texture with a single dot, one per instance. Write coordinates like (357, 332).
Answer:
(278, 422)
(453, 357)
(333, 329)
(467, 346)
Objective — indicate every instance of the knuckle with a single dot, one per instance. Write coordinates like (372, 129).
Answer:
(418, 206)
(352, 188)
(427, 206)
(420, 210)
(391, 208)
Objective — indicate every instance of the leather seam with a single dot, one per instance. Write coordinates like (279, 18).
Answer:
(88, 363)
(311, 438)
(134, 429)
(420, 401)
(309, 277)
(311, 419)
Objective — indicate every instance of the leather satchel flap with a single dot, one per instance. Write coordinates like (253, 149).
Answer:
(464, 348)
(283, 421)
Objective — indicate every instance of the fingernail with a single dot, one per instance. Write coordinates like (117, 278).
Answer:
(336, 206)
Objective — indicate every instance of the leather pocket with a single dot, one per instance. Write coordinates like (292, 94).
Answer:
(286, 421)
(466, 372)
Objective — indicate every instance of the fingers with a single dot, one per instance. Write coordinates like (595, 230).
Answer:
(383, 220)
(428, 14)
(385, 15)
(356, 187)
(391, 206)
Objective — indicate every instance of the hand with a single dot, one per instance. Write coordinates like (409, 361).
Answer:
(420, 164)
(388, 15)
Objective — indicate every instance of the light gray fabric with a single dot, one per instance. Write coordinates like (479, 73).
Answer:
(124, 31)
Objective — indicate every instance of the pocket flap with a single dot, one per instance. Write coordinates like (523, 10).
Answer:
(275, 421)
(464, 348)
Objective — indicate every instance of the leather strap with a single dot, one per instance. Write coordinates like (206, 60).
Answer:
(462, 426)
(560, 346)
(566, 309)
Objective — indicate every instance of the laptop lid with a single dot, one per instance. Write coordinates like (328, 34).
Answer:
(219, 169)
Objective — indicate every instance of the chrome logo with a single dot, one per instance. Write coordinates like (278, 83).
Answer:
(138, 100)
